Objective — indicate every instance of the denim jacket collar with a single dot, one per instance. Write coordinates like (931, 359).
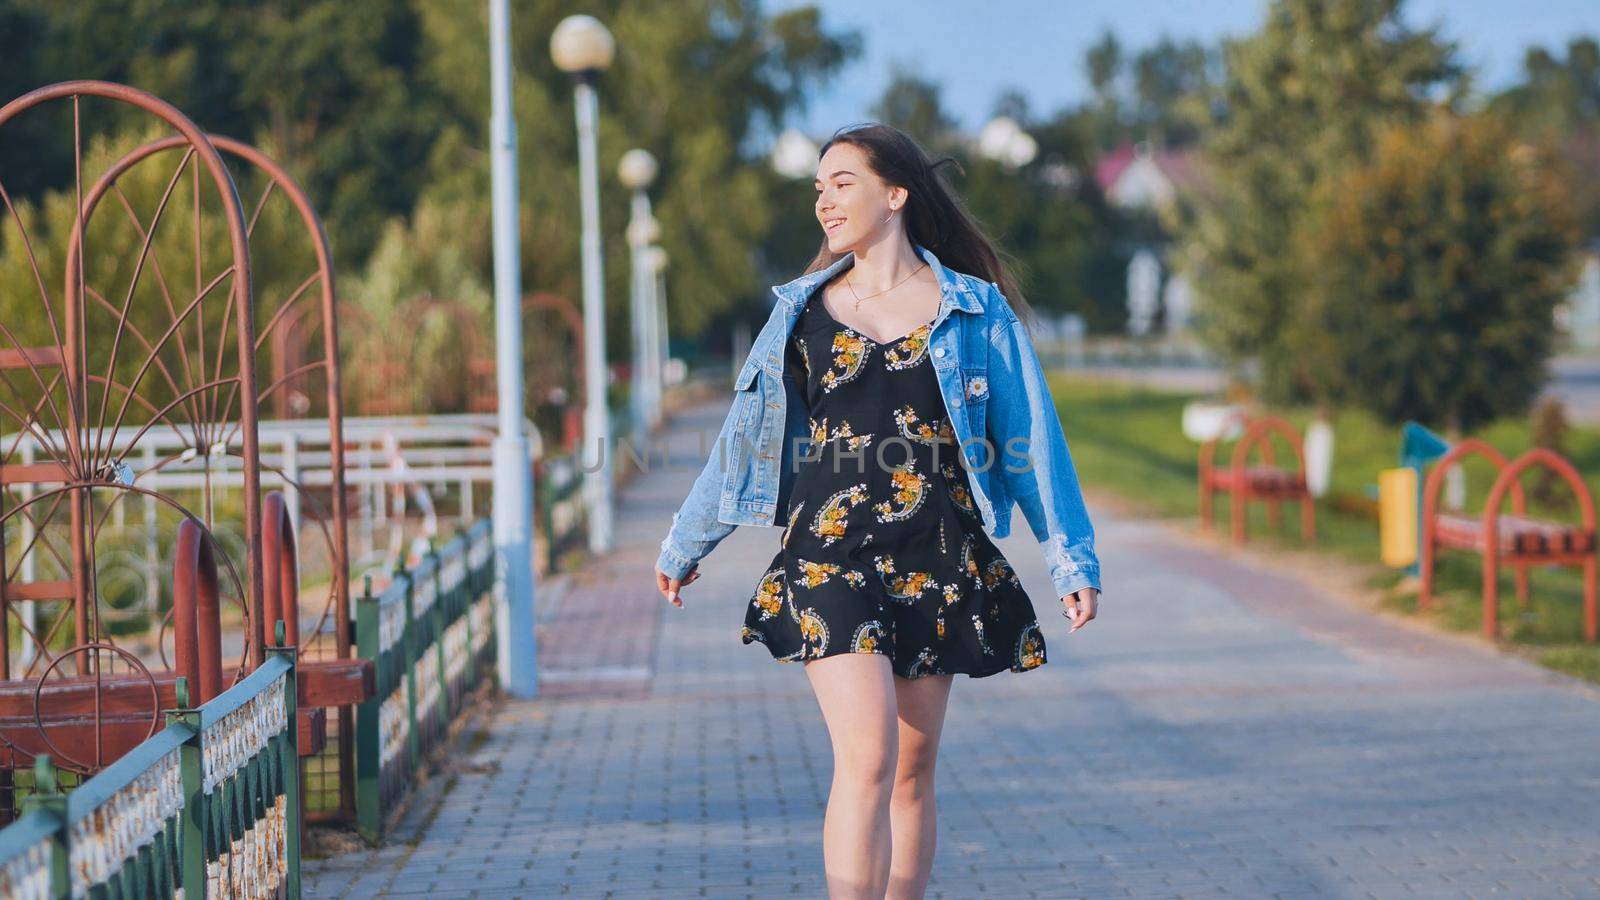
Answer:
(954, 291)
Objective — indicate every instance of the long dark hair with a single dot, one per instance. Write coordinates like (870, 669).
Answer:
(936, 218)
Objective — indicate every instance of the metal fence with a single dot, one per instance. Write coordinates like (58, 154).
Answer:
(430, 634)
(207, 807)
(214, 798)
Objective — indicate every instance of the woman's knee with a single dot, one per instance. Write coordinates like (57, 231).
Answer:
(867, 762)
(917, 761)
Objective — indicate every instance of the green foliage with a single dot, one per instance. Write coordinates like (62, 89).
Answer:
(1058, 230)
(713, 194)
(912, 104)
(1557, 96)
(156, 287)
(380, 110)
(1062, 236)
(1302, 100)
(1163, 93)
(328, 88)
(1439, 268)
(423, 302)
(1549, 426)
(1559, 102)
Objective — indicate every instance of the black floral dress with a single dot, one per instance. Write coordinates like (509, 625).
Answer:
(884, 550)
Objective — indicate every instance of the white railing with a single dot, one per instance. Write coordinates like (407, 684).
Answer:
(398, 467)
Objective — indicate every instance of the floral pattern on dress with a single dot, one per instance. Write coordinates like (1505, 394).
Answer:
(969, 561)
(814, 629)
(842, 432)
(868, 637)
(813, 574)
(850, 352)
(903, 588)
(829, 523)
(794, 516)
(923, 664)
(937, 431)
(910, 489)
(983, 642)
(769, 594)
(997, 571)
(1030, 647)
(957, 483)
(909, 350)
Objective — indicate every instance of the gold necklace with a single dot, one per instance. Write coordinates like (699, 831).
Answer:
(886, 290)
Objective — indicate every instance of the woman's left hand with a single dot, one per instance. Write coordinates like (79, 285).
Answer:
(1079, 607)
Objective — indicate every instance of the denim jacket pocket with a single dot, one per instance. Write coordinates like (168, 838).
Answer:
(747, 398)
(975, 396)
(750, 461)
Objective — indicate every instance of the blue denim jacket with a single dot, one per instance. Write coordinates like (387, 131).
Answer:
(1009, 433)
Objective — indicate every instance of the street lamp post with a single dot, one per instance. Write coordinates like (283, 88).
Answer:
(652, 338)
(513, 476)
(656, 263)
(583, 48)
(637, 170)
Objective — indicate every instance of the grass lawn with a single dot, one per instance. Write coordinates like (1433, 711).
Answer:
(1129, 440)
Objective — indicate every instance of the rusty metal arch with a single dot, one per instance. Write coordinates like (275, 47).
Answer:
(288, 314)
(83, 464)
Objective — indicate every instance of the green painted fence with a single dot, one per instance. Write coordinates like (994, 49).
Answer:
(213, 799)
(207, 807)
(430, 634)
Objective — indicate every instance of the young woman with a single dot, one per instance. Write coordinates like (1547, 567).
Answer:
(891, 410)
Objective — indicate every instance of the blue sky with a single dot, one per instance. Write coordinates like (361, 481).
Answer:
(974, 50)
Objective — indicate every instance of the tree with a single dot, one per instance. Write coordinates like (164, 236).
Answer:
(326, 87)
(1173, 88)
(912, 104)
(1102, 117)
(380, 111)
(1559, 101)
(1055, 225)
(1301, 102)
(1441, 265)
(1053, 229)
(1162, 93)
(699, 84)
(1558, 96)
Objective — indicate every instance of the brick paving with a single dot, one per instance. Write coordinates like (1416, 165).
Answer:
(1219, 730)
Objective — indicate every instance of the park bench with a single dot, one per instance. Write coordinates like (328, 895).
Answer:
(1266, 481)
(1517, 540)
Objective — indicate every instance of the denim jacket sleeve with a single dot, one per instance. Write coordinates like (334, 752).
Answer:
(1026, 427)
(696, 530)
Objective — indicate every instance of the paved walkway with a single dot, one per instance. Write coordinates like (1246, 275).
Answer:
(1218, 730)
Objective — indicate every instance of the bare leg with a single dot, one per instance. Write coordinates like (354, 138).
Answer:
(913, 812)
(856, 693)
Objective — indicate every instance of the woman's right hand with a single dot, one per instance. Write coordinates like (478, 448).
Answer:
(669, 586)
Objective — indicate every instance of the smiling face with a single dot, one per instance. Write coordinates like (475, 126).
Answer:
(852, 201)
